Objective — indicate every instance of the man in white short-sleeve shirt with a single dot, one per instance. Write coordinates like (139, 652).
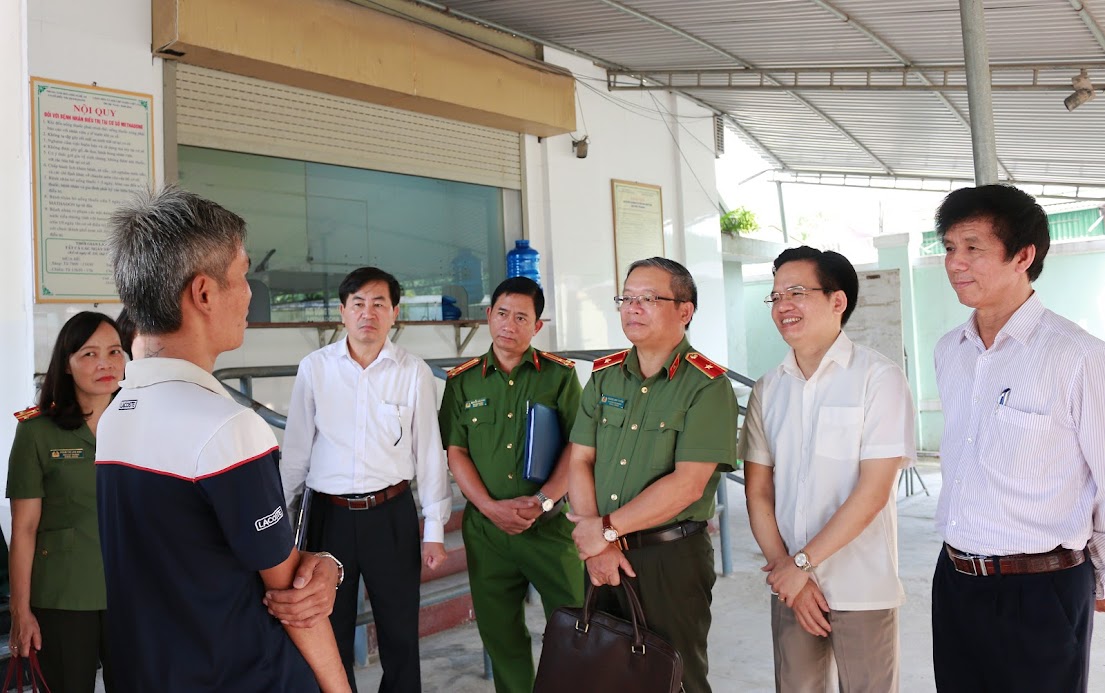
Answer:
(824, 438)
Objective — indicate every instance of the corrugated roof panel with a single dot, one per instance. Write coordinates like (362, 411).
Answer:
(912, 132)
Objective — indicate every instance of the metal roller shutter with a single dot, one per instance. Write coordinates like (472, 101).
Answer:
(224, 111)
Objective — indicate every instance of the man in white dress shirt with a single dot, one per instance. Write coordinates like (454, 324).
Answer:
(362, 423)
(824, 438)
(1022, 510)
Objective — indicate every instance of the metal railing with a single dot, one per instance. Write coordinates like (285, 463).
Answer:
(440, 367)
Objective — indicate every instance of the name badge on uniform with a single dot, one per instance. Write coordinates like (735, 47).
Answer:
(611, 401)
(473, 403)
(67, 454)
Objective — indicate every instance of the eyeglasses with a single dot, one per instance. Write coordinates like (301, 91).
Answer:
(793, 293)
(644, 300)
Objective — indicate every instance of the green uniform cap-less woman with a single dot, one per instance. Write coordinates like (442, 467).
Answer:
(58, 599)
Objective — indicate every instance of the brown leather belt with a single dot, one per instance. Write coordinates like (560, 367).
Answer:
(1016, 564)
(660, 535)
(367, 501)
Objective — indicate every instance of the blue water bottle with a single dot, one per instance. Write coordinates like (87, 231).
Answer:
(524, 261)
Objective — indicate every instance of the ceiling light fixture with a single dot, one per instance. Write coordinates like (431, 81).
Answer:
(1083, 91)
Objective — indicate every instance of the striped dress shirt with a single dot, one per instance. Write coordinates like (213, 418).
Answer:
(1023, 453)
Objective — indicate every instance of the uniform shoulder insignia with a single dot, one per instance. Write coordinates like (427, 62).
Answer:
(28, 413)
(567, 363)
(708, 367)
(611, 360)
(463, 367)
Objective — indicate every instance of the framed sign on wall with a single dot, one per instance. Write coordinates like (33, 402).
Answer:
(92, 149)
(638, 224)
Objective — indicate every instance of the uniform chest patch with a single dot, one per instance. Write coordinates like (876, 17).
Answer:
(473, 403)
(611, 401)
(67, 454)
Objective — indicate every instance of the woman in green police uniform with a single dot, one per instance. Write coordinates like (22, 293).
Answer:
(58, 601)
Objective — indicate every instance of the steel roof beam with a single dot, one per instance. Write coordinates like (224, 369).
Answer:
(1090, 22)
(795, 88)
(897, 55)
(744, 63)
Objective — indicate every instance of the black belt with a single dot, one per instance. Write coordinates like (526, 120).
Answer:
(660, 535)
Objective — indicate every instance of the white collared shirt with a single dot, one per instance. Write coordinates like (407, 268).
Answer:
(814, 433)
(360, 430)
(1023, 472)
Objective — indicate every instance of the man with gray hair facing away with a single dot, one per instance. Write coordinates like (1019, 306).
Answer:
(192, 520)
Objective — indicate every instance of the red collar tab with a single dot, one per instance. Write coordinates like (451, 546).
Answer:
(674, 367)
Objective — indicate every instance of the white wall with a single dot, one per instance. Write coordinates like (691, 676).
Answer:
(16, 280)
(569, 208)
(658, 139)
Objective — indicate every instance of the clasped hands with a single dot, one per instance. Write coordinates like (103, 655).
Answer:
(797, 590)
(605, 561)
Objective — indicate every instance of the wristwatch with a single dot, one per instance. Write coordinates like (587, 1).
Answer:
(802, 560)
(547, 503)
(341, 568)
(608, 532)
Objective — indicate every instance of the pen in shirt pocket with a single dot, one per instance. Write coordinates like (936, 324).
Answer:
(1003, 397)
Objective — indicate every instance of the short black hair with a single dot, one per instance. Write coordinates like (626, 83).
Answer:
(363, 275)
(58, 397)
(127, 331)
(834, 273)
(521, 286)
(1017, 219)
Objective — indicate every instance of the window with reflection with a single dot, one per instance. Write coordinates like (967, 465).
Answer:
(311, 224)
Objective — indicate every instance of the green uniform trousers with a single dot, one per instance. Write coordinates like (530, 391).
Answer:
(500, 569)
(675, 583)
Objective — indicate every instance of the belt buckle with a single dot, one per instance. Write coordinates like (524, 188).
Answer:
(362, 503)
(978, 565)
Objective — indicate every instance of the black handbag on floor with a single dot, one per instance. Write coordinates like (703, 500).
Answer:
(586, 650)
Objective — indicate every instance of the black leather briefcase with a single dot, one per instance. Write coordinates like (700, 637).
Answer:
(587, 650)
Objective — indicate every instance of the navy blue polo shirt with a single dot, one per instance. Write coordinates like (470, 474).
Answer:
(191, 508)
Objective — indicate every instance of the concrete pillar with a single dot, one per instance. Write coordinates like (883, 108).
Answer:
(976, 55)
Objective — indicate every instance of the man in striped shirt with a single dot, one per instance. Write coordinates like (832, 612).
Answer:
(1022, 511)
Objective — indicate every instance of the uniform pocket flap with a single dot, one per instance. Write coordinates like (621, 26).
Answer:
(55, 541)
(612, 416)
(478, 415)
(665, 420)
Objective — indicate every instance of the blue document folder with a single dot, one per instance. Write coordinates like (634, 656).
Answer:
(544, 443)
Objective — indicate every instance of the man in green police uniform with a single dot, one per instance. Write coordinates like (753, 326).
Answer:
(657, 427)
(515, 532)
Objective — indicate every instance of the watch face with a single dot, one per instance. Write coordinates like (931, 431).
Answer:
(547, 504)
(801, 560)
(610, 534)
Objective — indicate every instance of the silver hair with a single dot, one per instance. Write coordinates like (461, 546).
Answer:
(159, 243)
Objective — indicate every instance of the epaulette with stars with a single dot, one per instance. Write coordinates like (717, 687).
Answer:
(710, 369)
(28, 413)
(611, 360)
(567, 363)
(463, 367)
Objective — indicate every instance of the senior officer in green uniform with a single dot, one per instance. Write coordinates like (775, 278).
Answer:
(515, 532)
(657, 427)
